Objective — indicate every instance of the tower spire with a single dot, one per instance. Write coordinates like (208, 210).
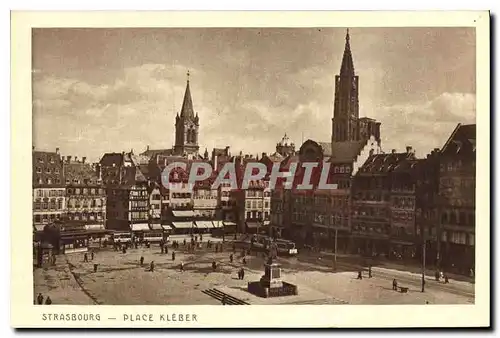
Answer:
(187, 105)
(347, 67)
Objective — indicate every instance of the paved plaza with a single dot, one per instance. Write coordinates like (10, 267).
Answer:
(121, 280)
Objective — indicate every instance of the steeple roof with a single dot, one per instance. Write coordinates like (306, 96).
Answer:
(347, 68)
(187, 110)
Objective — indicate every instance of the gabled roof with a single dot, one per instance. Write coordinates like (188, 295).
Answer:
(346, 151)
(109, 159)
(150, 153)
(80, 171)
(385, 163)
(462, 136)
(327, 148)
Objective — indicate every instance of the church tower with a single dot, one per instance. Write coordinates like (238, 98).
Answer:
(186, 127)
(346, 106)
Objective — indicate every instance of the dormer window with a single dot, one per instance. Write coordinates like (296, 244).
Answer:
(47, 170)
(68, 181)
(51, 160)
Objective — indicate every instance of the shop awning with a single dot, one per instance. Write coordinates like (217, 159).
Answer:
(182, 225)
(183, 213)
(229, 224)
(218, 224)
(204, 224)
(319, 225)
(94, 226)
(253, 225)
(139, 227)
(156, 226)
(166, 227)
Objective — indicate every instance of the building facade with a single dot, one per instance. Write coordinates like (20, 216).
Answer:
(457, 200)
(49, 194)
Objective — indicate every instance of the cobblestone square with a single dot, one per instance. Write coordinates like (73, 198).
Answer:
(121, 280)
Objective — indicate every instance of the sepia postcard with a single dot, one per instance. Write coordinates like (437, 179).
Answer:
(309, 167)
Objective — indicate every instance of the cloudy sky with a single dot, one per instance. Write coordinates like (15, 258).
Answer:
(103, 90)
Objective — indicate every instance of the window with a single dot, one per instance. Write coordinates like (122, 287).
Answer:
(56, 170)
(49, 181)
(75, 181)
(341, 170)
(47, 170)
(38, 170)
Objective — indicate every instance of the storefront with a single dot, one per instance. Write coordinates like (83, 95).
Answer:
(203, 227)
(230, 227)
(183, 228)
(138, 230)
(252, 227)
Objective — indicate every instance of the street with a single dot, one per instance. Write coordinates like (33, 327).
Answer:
(121, 280)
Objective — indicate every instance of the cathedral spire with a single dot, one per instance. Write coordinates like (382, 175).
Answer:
(187, 105)
(347, 68)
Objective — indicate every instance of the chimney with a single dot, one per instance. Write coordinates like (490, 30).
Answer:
(83, 159)
(68, 159)
(147, 147)
(408, 149)
(227, 151)
(215, 162)
(264, 155)
(76, 158)
(393, 151)
(57, 151)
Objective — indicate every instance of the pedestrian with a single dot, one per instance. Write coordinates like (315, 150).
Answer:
(360, 275)
(48, 301)
(124, 249)
(182, 266)
(244, 261)
(231, 258)
(214, 265)
(141, 260)
(152, 266)
(39, 299)
(223, 238)
(92, 256)
(95, 267)
(166, 249)
(184, 242)
(395, 284)
(173, 255)
(370, 271)
(162, 249)
(53, 259)
(85, 257)
(201, 238)
(234, 247)
(216, 248)
(242, 273)
(446, 281)
(224, 300)
(196, 238)
(436, 276)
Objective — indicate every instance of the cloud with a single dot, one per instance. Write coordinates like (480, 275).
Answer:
(427, 125)
(138, 108)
